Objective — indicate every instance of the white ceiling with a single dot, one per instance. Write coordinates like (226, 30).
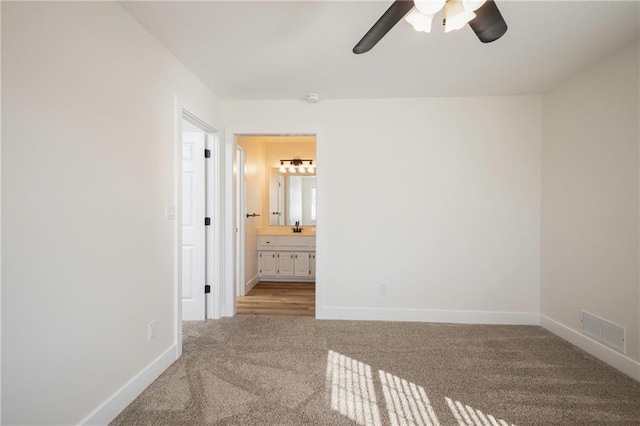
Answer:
(287, 49)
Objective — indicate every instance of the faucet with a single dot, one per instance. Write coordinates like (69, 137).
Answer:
(297, 229)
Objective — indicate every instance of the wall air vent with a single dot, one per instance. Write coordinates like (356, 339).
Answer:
(603, 331)
(591, 325)
(613, 335)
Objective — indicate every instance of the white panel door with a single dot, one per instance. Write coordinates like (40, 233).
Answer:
(193, 232)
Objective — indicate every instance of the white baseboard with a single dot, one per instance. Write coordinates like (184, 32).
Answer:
(288, 279)
(251, 283)
(109, 409)
(426, 315)
(604, 353)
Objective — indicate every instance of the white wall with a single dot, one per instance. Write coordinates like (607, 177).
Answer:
(88, 139)
(443, 203)
(590, 203)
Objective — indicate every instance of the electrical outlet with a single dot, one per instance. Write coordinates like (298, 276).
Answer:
(170, 211)
(384, 288)
(153, 330)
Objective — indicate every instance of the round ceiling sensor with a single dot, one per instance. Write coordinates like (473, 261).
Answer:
(313, 98)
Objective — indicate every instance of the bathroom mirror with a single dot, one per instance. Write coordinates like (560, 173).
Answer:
(292, 197)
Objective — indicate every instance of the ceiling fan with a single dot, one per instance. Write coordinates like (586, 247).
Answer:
(483, 17)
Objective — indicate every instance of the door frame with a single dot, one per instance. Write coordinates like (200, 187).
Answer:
(240, 223)
(213, 205)
(228, 307)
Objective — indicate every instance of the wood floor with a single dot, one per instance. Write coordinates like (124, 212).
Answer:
(278, 298)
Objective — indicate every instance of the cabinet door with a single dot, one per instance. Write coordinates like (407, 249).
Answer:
(312, 264)
(302, 264)
(286, 260)
(267, 263)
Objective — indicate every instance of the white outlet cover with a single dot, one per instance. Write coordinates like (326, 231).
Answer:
(170, 211)
(153, 330)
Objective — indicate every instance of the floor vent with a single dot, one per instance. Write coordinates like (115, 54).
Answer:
(604, 331)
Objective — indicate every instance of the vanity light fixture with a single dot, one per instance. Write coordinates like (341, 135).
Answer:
(297, 165)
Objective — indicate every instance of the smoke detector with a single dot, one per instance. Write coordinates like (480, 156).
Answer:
(312, 98)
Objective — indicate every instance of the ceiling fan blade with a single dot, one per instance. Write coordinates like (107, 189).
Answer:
(395, 13)
(489, 25)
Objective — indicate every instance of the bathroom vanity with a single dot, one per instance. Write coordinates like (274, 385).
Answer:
(286, 256)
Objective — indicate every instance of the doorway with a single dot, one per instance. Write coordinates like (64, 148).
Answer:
(256, 208)
(197, 228)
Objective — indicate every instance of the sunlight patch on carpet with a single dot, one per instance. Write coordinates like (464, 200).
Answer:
(407, 402)
(350, 384)
(468, 416)
(350, 388)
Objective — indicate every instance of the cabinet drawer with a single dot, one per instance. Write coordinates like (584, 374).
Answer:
(294, 243)
(267, 243)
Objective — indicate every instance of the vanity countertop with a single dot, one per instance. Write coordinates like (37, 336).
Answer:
(287, 230)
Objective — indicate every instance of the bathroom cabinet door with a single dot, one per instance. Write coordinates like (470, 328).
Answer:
(286, 264)
(268, 263)
(312, 264)
(302, 264)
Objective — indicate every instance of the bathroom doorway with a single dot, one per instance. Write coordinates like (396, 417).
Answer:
(279, 190)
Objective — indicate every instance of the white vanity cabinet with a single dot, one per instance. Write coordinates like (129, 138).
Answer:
(286, 257)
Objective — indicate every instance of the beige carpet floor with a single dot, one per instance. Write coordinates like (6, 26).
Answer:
(274, 370)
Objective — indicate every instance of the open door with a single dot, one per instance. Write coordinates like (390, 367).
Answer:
(193, 222)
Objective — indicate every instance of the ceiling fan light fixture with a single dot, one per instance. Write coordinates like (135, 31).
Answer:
(419, 20)
(473, 5)
(429, 7)
(456, 16)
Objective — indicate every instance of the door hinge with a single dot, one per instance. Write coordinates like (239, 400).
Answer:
(207, 153)
(207, 221)
(207, 289)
